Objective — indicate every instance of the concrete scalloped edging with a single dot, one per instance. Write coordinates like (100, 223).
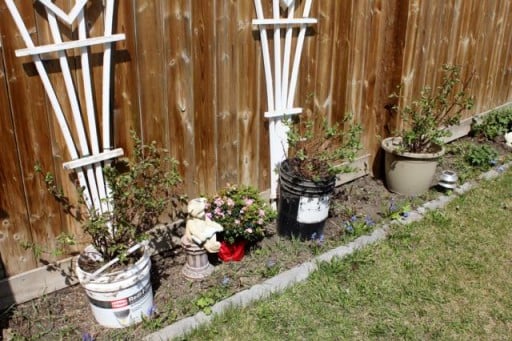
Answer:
(301, 272)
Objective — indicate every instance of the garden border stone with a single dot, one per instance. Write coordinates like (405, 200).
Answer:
(301, 272)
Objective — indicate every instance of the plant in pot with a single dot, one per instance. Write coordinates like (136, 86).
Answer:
(318, 152)
(411, 157)
(244, 216)
(115, 268)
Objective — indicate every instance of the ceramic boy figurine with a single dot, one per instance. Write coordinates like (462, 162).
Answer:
(199, 228)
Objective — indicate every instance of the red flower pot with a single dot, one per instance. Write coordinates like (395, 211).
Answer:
(232, 252)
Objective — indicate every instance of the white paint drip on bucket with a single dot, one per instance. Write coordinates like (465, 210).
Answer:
(121, 298)
(313, 210)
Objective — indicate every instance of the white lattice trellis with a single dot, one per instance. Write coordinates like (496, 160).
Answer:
(281, 77)
(87, 155)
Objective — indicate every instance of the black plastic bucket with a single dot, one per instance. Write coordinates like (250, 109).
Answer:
(303, 205)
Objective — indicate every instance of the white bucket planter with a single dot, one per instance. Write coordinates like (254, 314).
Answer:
(120, 299)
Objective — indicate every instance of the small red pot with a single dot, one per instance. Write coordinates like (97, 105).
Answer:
(232, 252)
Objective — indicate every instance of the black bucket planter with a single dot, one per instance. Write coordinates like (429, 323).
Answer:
(303, 205)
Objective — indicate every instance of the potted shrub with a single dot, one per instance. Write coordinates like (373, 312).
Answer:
(318, 152)
(244, 216)
(115, 268)
(411, 157)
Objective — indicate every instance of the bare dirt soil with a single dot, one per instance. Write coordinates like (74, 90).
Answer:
(355, 206)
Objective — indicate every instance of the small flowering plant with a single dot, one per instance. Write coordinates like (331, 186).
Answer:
(358, 224)
(397, 210)
(242, 213)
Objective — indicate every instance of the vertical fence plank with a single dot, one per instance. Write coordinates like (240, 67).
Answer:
(466, 41)
(305, 97)
(504, 70)
(203, 59)
(150, 71)
(412, 36)
(359, 36)
(125, 99)
(250, 120)
(180, 72)
(31, 130)
(500, 33)
(393, 16)
(453, 29)
(484, 47)
(261, 101)
(325, 67)
(372, 68)
(341, 59)
(14, 220)
(225, 111)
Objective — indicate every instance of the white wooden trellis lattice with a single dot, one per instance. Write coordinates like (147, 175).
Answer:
(87, 156)
(280, 82)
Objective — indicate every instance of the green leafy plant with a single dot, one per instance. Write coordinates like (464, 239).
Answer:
(321, 150)
(470, 158)
(141, 189)
(481, 156)
(396, 210)
(494, 124)
(272, 268)
(207, 300)
(426, 117)
(242, 213)
(464, 170)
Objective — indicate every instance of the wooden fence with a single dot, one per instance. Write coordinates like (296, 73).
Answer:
(190, 76)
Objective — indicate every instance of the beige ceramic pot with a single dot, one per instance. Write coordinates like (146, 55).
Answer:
(409, 173)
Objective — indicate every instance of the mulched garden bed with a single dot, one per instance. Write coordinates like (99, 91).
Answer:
(355, 210)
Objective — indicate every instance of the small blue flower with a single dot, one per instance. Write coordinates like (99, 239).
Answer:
(392, 206)
(493, 162)
(225, 281)
(151, 310)
(87, 337)
(353, 218)
(369, 221)
(405, 214)
(348, 227)
(501, 169)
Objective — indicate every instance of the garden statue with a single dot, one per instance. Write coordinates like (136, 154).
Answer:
(199, 228)
(199, 238)
(508, 139)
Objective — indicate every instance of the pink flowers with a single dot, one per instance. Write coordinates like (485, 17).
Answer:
(242, 213)
(218, 202)
(218, 212)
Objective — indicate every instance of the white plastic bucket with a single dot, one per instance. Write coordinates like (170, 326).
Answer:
(120, 299)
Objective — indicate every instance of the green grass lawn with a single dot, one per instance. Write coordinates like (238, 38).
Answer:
(448, 277)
